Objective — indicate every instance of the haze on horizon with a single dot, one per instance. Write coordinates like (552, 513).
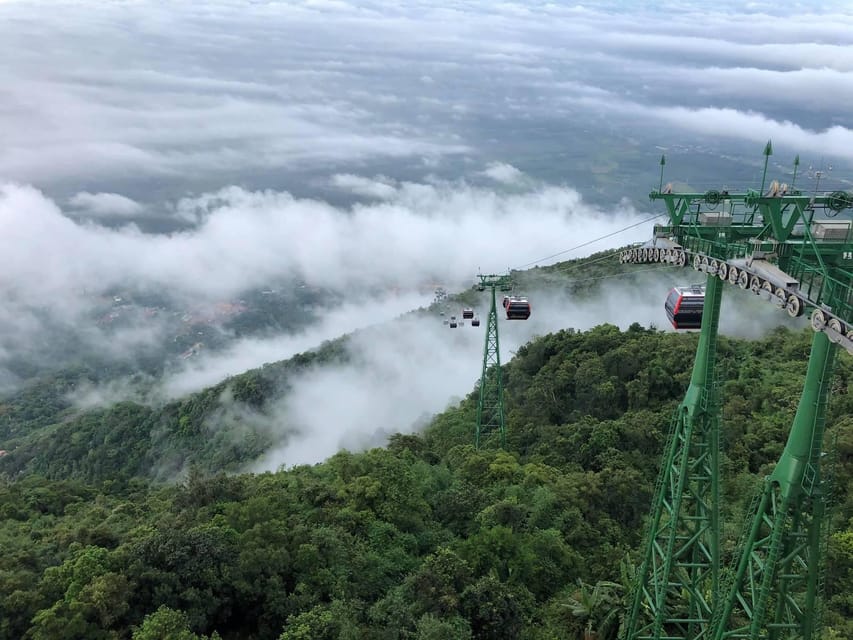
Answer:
(120, 109)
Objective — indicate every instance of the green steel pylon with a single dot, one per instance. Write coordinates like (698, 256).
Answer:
(776, 583)
(782, 245)
(490, 408)
(678, 580)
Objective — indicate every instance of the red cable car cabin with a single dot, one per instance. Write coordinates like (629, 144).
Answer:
(517, 308)
(684, 306)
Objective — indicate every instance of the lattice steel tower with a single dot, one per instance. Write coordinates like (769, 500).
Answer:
(490, 408)
(796, 251)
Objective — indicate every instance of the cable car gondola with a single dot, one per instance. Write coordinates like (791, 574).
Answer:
(684, 306)
(452, 322)
(517, 308)
(476, 321)
(467, 313)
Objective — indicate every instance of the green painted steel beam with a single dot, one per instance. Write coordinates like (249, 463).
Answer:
(678, 579)
(780, 558)
(752, 214)
(490, 406)
(802, 245)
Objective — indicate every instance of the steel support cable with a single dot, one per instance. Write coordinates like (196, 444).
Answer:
(586, 262)
(624, 273)
(589, 242)
(607, 256)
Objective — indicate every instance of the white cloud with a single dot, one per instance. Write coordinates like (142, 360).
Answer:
(502, 172)
(380, 187)
(834, 87)
(835, 140)
(105, 204)
(793, 55)
(334, 5)
(208, 369)
(57, 270)
(443, 230)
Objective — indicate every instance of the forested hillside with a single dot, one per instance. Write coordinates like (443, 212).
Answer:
(426, 538)
(218, 429)
(224, 427)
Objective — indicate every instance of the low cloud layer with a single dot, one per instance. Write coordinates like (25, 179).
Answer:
(417, 233)
(407, 237)
(242, 355)
(108, 205)
(503, 172)
(729, 123)
(406, 371)
(149, 99)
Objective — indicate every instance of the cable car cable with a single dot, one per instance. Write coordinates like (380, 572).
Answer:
(580, 265)
(589, 242)
(624, 273)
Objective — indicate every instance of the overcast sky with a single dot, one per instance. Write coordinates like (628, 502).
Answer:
(154, 100)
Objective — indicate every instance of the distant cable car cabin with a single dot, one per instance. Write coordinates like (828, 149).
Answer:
(684, 306)
(476, 321)
(517, 308)
(467, 313)
(452, 322)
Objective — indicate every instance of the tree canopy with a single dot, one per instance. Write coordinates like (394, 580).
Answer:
(426, 538)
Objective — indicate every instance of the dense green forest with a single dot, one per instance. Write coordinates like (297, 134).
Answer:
(427, 538)
(219, 429)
